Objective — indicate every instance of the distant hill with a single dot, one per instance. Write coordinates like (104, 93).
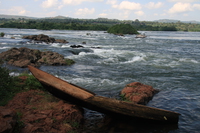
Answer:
(175, 21)
(57, 17)
(16, 17)
(26, 17)
(63, 17)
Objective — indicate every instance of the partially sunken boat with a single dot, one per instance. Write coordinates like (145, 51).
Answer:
(141, 36)
(90, 100)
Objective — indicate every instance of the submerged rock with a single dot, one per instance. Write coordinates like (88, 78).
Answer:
(76, 46)
(23, 57)
(138, 93)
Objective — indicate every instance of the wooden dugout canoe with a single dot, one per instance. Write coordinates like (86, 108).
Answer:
(85, 98)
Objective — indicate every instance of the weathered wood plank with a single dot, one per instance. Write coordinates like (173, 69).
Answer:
(60, 84)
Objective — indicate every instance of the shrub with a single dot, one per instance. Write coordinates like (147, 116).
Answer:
(2, 34)
(11, 85)
(6, 87)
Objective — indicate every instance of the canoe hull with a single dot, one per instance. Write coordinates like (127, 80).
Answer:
(85, 98)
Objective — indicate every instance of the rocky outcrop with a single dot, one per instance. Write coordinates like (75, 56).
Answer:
(39, 111)
(138, 93)
(7, 120)
(76, 46)
(23, 57)
(44, 38)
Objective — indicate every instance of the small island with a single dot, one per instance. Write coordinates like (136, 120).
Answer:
(121, 29)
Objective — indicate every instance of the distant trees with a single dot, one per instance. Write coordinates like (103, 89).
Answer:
(100, 24)
(44, 25)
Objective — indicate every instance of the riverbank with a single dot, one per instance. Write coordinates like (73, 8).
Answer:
(27, 107)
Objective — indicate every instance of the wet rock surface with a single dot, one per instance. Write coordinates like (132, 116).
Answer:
(22, 57)
(138, 93)
(40, 112)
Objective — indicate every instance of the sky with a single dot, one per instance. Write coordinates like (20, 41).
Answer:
(184, 10)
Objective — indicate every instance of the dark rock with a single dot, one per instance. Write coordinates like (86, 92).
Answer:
(7, 120)
(76, 46)
(138, 93)
(23, 57)
(44, 38)
(96, 47)
(83, 42)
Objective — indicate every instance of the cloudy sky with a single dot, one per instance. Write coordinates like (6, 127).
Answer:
(113, 9)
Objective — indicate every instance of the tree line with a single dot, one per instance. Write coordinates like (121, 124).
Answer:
(100, 24)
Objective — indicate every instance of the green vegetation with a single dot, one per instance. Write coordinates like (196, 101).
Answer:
(10, 85)
(69, 61)
(122, 29)
(7, 88)
(2, 34)
(99, 24)
(45, 25)
(20, 124)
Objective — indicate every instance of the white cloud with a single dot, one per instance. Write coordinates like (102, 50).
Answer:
(139, 13)
(77, 2)
(84, 11)
(152, 5)
(125, 14)
(17, 10)
(103, 15)
(129, 5)
(180, 8)
(49, 3)
(188, 1)
(22, 12)
(196, 6)
(111, 2)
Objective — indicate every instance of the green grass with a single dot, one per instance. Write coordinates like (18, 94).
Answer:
(19, 124)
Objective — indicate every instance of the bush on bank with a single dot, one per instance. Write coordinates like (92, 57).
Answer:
(10, 85)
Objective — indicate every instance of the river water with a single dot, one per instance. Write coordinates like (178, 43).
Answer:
(168, 61)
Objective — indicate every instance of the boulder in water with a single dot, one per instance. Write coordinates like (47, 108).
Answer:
(138, 93)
